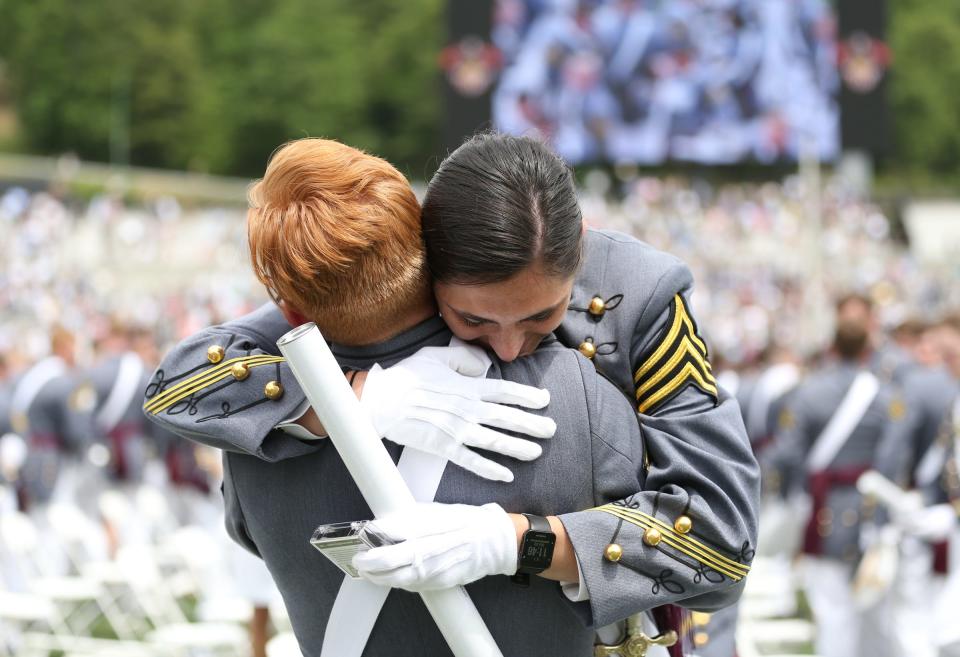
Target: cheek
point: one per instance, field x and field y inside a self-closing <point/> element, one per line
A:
<point x="532" y="340"/>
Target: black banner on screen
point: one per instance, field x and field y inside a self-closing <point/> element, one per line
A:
<point x="470" y="65"/>
<point x="864" y="59"/>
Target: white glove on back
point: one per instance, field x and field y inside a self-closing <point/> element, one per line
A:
<point x="437" y="400"/>
<point x="443" y="545"/>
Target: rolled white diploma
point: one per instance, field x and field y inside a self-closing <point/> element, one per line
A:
<point x="375" y="474"/>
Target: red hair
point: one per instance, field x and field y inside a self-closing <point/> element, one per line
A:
<point x="335" y="233"/>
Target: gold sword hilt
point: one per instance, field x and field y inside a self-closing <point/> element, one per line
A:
<point x="636" y="645"/>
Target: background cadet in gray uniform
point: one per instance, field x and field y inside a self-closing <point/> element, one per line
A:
<point x="124" y="433"/>
<point x="918" y="456"/>
<point x="929" y="390"/>
<point x="53" y="414"/>
<point x="832" y="537"/>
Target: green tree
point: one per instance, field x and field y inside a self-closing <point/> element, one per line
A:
<point x="107" y="79"/>
<point x="925" y="42"/>
<point x="218" y="85"/>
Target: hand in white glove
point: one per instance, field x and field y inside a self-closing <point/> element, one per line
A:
<point x="443" y="545"/>
<point x="934" y="523"/>
<point x="437" y="400"/>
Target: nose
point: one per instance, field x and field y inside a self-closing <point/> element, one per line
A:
<point x="507" y="346"/>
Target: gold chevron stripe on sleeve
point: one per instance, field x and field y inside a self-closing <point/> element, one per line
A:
<point x="689" y="546"/>
<point x="689" y="324"/>
<point x="677" y="382"/>
<point x="681" y="319"/>
<point x="665" y="344"/>
<point x="205" y="379"/>
<point x="684" y="350"/>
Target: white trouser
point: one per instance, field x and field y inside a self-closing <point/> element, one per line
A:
<point x="842" y="629"/>
<point x="911" y="601"/>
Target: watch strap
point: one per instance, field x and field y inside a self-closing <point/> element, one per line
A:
<point x="538" y="523"/>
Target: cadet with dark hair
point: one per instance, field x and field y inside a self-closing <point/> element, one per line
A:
<point x="506" y="191"/>
<point x="513" y="262"/>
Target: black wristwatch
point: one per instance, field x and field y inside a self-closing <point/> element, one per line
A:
<point x="536" y="548"/>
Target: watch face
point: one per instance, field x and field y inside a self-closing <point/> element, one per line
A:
<point x="537" y="549"/>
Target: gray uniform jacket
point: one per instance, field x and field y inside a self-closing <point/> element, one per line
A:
<point x="839" y="509"/>
<point x="928" y="395"/>
<point x="214" y="388"/>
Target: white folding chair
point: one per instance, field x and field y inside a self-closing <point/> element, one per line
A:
<point x="77" y="599"/>
<point x="283" y="645"/>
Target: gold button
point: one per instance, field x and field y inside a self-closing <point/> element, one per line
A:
<point x="273" y="390"/>
<point x="824" y="530"/>
<point x="240" y="371"/>
<point x="825" y="516"/>
<point x="652" y="537"/>
<point x="588" y="349"/>
<point x="215" y="354"/>
<point x="613" y="552"/>
<point x="683" y="525"/>
<point x="597" y="307"/>
<point x="701" y="639"/>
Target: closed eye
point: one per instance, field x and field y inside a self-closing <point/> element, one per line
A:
<point x="473" y="321"/>
<point x="539" y="317"/>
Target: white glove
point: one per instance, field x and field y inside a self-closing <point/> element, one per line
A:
<point x="443" y="545"/>
<point x="934" y="523"/>
<point x="437" y="400"/>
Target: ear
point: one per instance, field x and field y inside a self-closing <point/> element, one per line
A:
<point x="583" y="228"/>
<point x="293" y="316"/>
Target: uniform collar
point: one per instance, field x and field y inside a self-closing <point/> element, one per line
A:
<point x="432" y="332"/>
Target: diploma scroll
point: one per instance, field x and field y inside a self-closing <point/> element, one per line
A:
<point x="375" y="474"/>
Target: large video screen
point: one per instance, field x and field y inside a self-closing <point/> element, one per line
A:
<point x="653" y="81"/>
